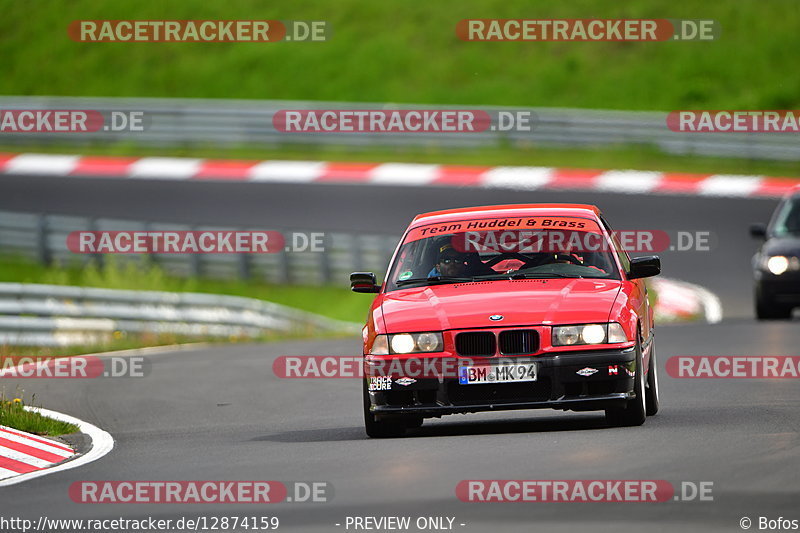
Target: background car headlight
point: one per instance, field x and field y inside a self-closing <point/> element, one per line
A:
<point x="402" y="343"/>
<point x="609" y="333"/>
<point x="777" y="264"/>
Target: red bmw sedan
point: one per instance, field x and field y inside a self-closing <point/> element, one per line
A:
<point x="508" y="307"/>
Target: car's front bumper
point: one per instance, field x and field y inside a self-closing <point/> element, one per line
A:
<point x="783" y="289"/>
<point x="579" y="381"/>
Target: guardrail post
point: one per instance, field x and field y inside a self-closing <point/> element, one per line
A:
<point x="283" y="268"/>
<point x="194" y="260"/>
<point x="42" y="250"/>
<point x="150" y="259"/>
<point x="325" y="262"/>
<point x="245" y="270"/>
<point x="91" y="225"/>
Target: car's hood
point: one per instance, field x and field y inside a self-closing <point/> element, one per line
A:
<point x="788" y="245"/>
<point x="521" y="302"/>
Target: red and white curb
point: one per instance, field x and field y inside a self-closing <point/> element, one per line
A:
<point x="680" y="300"/>
<point x="409" y="174"/>
<point x="102" y="441"/>
<point x="21" y="453"/>
<point x="24" y="456"/>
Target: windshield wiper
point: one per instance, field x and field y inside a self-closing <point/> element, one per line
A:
<point x="528" y="275"/>
<point x="434" y="279"/>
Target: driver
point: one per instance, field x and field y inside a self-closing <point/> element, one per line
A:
<point x="451" y="263"/>
<point x="454" y="263"/>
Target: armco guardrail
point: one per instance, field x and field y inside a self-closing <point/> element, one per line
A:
<point x="200" y="122"/>
<point x="43" y="237"/>
<point x="54" y="315"/>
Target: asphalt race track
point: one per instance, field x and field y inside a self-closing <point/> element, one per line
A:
<point x="219" y="413"/>
<point x="725" y="269"/>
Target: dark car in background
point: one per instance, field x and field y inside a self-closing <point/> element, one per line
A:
<point x="776" y="265"/>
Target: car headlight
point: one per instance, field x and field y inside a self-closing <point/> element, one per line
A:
<point x="616" y="333"/>
<point x="777" y="264"/>
<point x="402" y="343"/>
<point x="380" y="346"/>
<point x="429" y="342"/>
<point x="566" y="335"/>
<point x="610" y="333"/>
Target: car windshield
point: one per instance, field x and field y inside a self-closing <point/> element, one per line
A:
<point x="787" y="222"/>
<point x="501" y="249"/>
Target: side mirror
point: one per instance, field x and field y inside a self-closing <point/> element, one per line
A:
<point x="644" y="267"/>
<point x="363" y="282"/>
<point x="759" y="231"/>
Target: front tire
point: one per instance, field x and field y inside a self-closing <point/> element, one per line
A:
<point x="635" y="412"/>
<point x="651" y="394"/>
<point x="380" y="429"/>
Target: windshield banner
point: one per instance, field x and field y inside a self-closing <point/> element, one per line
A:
<point x="490" y="224"/>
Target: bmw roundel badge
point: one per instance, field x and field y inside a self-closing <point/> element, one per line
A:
<point x="496" y="317"/>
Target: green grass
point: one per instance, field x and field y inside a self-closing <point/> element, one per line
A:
<point x="400" y="51"/>
<point x="333" y="302"/>
<point x="14" y="415"/>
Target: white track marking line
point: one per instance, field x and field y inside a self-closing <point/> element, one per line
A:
<point x="403" y="174"/>
<point x="287" y="171"/>
<point x="42" y="164"/>
<point x="176" y="168"/>
<point x="517" y="177"/>
<point x="628" y="181"/>
<point x="729" y="185"/>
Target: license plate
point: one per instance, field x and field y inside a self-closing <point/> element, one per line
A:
<point x="512" y="373"/>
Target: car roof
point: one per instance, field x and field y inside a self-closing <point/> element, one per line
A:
<point x="510" y="210"/>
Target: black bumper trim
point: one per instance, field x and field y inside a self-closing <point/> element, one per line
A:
<point x="591" y="403"/>
<point x="560" y="386"/>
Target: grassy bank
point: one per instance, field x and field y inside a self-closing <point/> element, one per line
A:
<point x="13" y="414"/>
<point x="397" y="51"/>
